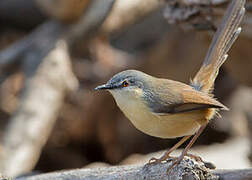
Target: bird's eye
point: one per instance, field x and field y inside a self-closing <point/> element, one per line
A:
<point x="125" y="83"/>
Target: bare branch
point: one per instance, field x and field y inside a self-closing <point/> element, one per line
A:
<point x="202" y="2"/>
<point x="45" y="59"/>
<point x="126" y="13"/>
<point x="31" y="125"/>
<point x="46" y="34"/>
<point x="187" y="170"/>
<point x="240" y="174"/>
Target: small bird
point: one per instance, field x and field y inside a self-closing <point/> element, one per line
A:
<point x="168" y="109"/>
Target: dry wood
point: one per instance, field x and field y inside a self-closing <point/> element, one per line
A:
<point x="45" y="59"/>
<point x="31" y="125"/>
<point x="188" y="169"/>
<point x="126" y="13"/>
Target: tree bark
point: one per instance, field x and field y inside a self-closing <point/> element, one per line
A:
<point x="188" y="169"/>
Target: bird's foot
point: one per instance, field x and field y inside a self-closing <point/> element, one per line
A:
<point x="175" y="161"/>
<point x="159" y="160"/>
<point x="195" y="157"/>
<point x="154" y="161"/>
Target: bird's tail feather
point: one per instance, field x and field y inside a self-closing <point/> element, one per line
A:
<point x="223" y="39"/>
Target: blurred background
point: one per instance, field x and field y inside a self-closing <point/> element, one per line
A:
<point x="54" y="52"/>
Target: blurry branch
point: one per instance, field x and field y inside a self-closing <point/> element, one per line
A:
<point x="202" y="2"/>
<point x="187" y="170"/>
<point x="198" y="14"/>
<point x="46" y="34"/>
<point x="247" y="30"/>
<point x="195" y="13"/>
<point x="32" y="123"/>
<point x="45" y="59"/>
<point x="239" y="174"/>
<point x="125" y="13"/>
<point x="64" y="10"/>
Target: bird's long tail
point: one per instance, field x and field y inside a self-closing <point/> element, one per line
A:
<point x="226" y="34"/>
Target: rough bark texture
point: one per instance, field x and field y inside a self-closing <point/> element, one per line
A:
<point x="186" y="170"/>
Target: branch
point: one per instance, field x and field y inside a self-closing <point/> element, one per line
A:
<point x="45" y="59"/>
<point x="239" y="174"/>
<point x="202" y="2"/>
<point x="46" y="34"/>
<point x="30" y="127"/>
<point x="126" y="13"/>
<point x="188" y="169"/>
<point x="196" y="13"/>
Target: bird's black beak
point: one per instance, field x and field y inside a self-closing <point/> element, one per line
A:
<point x="104" y="87"/>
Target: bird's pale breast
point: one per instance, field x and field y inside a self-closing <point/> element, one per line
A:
<point x="163" y="126"/>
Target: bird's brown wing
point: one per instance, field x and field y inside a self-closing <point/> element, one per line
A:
<point x="180" y="98"/>
<point x="193" y="96"/>
<point x="223" y="39"/>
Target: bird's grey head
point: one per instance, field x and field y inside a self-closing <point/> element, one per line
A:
<point x="129" y="83"/>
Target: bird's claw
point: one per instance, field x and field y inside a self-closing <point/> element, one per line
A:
<point x="175" y="161"/>
<point x="154" y="161"/>
<point x="159" y="160"/>
<point x="196" y="158"/>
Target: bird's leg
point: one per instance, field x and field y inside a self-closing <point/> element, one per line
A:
<point x="167" y="153"/>
<point x="180" y="158"/>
